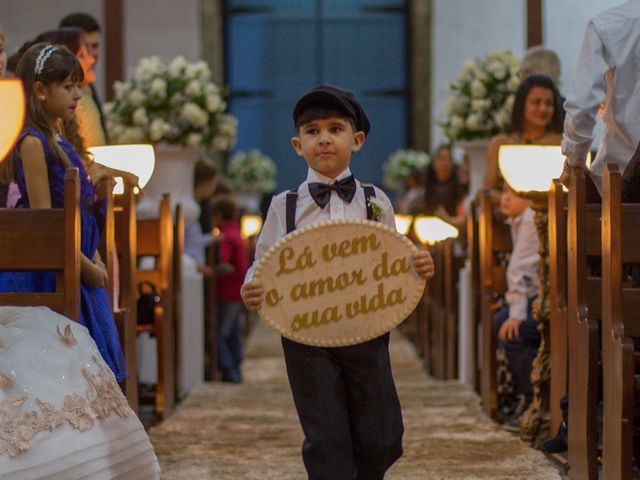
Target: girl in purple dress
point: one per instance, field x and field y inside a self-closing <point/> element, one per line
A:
<point x="51" y="75"/>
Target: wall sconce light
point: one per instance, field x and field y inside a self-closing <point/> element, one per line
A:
<point x="530" y="168"/>
<point x="137" y="159"/>
<point x="431" y="230"/>
<point x="250" y="225"/>
<point x="403" y="223"/>
<point x="12" y="113"/>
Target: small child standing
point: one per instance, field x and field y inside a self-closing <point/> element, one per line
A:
<point x="345" y="396"/>
<point x="232" y="251"/>
<point x="51" y="75"/>
<point x="516" y="327"/>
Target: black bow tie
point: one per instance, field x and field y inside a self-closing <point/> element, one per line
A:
<point x="321" y="192"/>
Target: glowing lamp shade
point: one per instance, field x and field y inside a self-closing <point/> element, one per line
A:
<point x="137" y="159"/>
<point x="403" y="223"/>
<point x="432" y="230"/>
<point x="250" y="225"/>
<point x="12" y="111"/>
<point x="530" y="168"/>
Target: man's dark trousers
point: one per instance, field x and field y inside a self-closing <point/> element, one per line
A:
<point x="348" y="407"/>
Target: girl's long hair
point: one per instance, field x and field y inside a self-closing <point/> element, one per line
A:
<point x="59" y="66"/>
<point x="70" y="37"/>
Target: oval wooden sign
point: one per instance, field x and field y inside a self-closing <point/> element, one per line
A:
<point x="339" y="282"/>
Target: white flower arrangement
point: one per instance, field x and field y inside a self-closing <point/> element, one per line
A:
<point x="252" y="172"/>
<point x="378" y="208"/>
<point x="175" y="103"/>
<point x="481" y="99"/>
<point x="400" y="165"/>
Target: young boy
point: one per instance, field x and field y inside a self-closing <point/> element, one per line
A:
<point x="345" y="397"/>
<point x="516" y="327"/>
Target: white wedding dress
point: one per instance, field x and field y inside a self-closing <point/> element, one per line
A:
<point x="62" y="413"/>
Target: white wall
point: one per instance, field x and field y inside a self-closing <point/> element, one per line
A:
<point x="471" y="28"/>
<point x="564" y="24"/>
<point x="468" y="29"/>
<point x="23" y="20"/>
<point x="162" y="27"/>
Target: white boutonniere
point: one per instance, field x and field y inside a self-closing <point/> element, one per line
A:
<point x="378" y="208"/>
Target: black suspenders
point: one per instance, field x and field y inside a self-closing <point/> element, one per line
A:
<point x="292" y="201"/>
<point x="369" y="192"/>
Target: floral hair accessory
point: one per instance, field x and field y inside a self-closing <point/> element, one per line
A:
<point x="43" y="56"/>
<point x="378" y="208"/>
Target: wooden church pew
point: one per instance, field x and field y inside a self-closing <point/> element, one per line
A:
<point x="558" y="334"/>
<point x="126" y="239"/>
<point x="155" y="239"/>
<point x="211" y="316"/>
<point x="436" y="334"/>
<point x="473" y="255"/>
<point x="45" y="240"/>
<point x="443" y="318"/>
<point x="620" y="325"/>
<point x="124" y="318"/>
<point x="494" y="240"/>
<point x="176" y="259"/>
<point x="584" y="292"/>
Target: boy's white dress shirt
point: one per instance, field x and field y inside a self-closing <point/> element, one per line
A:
<point x="523" y="274"/>
<point x="308" y="212"/>
<point x="608" y="69"/>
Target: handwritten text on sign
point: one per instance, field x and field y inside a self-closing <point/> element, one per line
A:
<point x="339" y="283"/>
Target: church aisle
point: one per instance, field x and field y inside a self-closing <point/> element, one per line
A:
<point x="251" y="431"/>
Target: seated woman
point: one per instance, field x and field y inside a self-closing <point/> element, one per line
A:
<point x="414" y="192"/>
<point x="62" y="414"/>
<point x="536" y="119"/>
<point x="443" y="193"/>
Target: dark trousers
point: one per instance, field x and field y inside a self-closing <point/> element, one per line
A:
<point x="348" y="408"/>
<point x="521" y="351"/>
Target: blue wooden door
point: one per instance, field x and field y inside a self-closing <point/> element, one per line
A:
<point x="278" y="49"/>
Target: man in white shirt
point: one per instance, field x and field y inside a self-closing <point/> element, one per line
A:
<point x="516" y="327"/>
<point x="608" y="71"/>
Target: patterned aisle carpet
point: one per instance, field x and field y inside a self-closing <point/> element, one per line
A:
<point x="251" y="431"/>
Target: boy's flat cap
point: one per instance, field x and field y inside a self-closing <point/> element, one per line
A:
<point x="342" y="99"/>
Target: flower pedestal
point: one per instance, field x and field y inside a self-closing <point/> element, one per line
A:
<point x="477" y="152"/>
<point x="173" y="174"/>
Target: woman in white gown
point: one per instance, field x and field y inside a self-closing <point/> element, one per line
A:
<point x="62" y="414"/>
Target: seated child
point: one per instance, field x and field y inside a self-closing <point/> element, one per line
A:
<point x="516" y="327"/>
